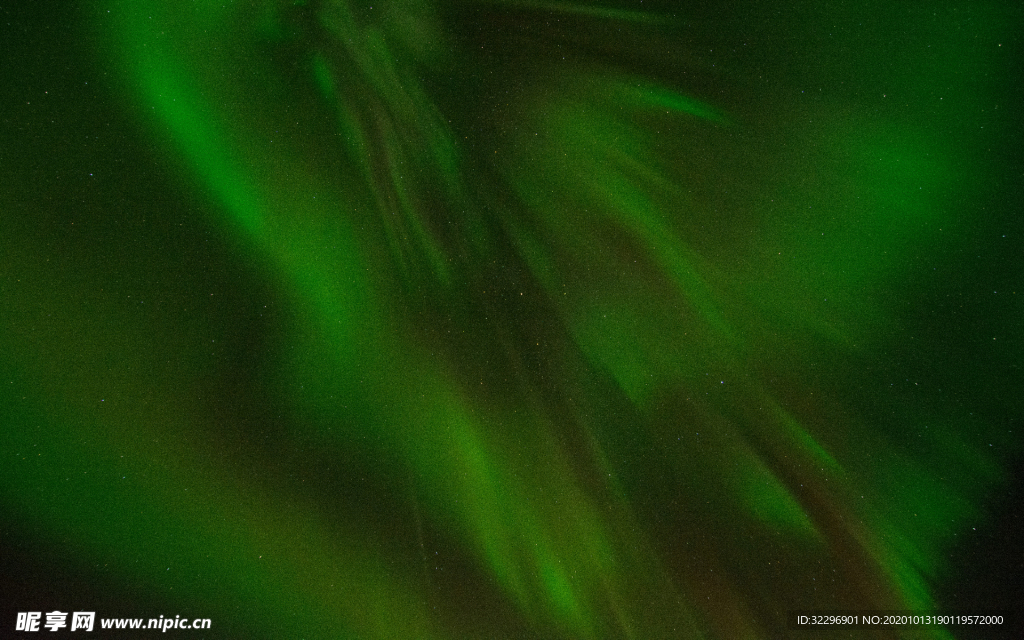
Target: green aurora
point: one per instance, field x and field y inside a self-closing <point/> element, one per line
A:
<point x="518" y="319"/>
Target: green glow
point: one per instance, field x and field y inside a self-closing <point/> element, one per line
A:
<point x="524" y="332"/>
<point x="589" y="11"/>
<point x="662" y="98"/>
<point x="769" y="501"/>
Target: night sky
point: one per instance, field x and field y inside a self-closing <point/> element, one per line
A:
<point x="510" y="319"/>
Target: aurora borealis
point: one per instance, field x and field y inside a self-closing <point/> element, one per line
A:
<point x="510" y="319"/>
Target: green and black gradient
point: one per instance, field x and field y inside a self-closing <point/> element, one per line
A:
<point x="509" y="319"/>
